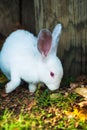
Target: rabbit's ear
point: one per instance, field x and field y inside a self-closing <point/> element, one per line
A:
<point x="55" y="38"/>
<point x="44" y="42"/>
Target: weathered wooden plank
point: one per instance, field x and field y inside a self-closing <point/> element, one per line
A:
<point x="73" y="43"/>
<point x="9" y="15"/>
<point x="28" y="15"/>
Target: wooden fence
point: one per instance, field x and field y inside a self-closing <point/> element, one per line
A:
<point x="37" y="14"/>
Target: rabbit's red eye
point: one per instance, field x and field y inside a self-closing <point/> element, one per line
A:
<point x="52" y="74"/>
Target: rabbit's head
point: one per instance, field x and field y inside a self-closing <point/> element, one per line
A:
<point x="52" y="71"/>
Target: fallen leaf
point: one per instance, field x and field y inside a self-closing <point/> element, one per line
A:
<point x="73" y="85"/>
<point x="82" y="79"/>
<point x="4" y="94"/>
<point x="31" y="104"/>
<point x="54" y="96"/>
<point x="82" y="91"/>
<point x="83" y="104"/>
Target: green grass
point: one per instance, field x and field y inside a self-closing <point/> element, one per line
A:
<point x="46" y="112"/>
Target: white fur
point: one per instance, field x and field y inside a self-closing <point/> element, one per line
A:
<point x="20" y="59"/>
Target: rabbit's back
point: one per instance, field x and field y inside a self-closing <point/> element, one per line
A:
<point x="19" y="42"/>
<point x="19" y="48"/>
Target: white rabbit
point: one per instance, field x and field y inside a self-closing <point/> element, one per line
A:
<point x="33" y="59"/>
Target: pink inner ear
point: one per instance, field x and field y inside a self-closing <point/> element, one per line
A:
<point x="44" y="42"/>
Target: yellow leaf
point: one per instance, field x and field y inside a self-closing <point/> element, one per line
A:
<point x="82" y="91"/>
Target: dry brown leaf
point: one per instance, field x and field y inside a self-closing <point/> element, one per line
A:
<point x="4" y="94"/>
<point x="29" y="107"/>
<point x="75" y="85"/>
<point x="82" y="79"/>
<point x="83" y="104"/>
<point x="82" y="91"/>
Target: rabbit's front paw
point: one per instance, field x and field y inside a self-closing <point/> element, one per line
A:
<point x="32" y="88"/>
<point x="8" y="88"/>
<point x="12" y="85"/>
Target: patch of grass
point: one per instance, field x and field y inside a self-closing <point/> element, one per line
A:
<point x="46" y="99"/>
<point x="43" y="98"/>
<point x="52" y="118"/>
<point x="47" y="111"/>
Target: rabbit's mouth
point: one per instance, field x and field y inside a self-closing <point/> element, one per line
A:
<point x="53" y="87"/>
